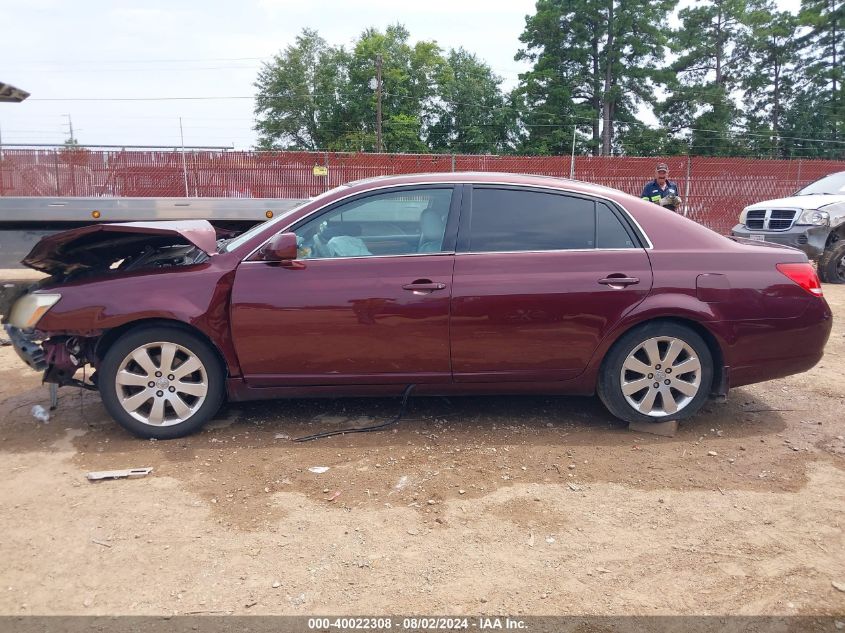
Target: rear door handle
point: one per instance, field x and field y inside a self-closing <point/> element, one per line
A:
<point x="424" y="285"/>
<point x="619" y="281"/>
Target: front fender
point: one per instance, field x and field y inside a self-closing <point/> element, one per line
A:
<point x="198" y="298"/>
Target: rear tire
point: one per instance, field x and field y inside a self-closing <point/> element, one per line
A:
<point x="658" y="371"/>
<point x="831" y="265"/>
<point x="161" y="382"/>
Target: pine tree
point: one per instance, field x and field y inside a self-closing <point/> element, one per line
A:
<point x="708" y="70"/>
<point x="595" y="63"/>
<point x="769" y="76"/>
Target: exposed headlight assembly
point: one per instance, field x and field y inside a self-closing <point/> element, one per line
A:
<point x="29" y="309"/>
<point x="814" y="217"/>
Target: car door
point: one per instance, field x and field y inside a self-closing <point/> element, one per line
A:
<point x="540" y="277"/>
<point x="368" y="301"/>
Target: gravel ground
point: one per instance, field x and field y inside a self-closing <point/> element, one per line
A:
<point x="469" y="506"/>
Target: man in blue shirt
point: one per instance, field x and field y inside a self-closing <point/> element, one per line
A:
<point x="661" y="190"/>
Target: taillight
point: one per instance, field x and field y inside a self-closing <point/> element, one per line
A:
<point x="804" y="275"/>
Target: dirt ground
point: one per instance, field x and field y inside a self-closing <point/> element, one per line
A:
<point x="469" y="506"/>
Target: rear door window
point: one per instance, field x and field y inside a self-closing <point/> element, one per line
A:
<point x="610" y="233"/>
<point x="522" y="220"/>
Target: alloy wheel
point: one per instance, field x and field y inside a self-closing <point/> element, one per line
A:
<point x="161" y="383"/>
<point x="661" y="376"/>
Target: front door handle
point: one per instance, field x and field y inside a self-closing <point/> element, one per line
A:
<point x="619" y="281"/>
<point x="423" y="286"/>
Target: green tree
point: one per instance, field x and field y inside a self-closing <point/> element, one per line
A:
<point x="595" y="62"/>
<point x="823" y="52"/>
<point x="806" y="127"/>
<point x="470" y="114"/>
<point x="769" y="76"/>
<point x="409" y="86"/>
<point x="824" y="43"/>
<point x="299" y="103"/>
<point x="706" y="73"/>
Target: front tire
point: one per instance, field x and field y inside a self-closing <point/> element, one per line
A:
<point x="161" y="382"/>
<point x="832" y="263"/>
<point x="656" y="372"/>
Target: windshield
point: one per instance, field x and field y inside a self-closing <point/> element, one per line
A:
<point x="835" y="183"/>
<point x="230" y="245"/>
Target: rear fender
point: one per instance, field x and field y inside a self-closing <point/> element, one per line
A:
<point x="677" y="307"/>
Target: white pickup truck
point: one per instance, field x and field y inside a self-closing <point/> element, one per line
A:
<point x="813" y="220"/>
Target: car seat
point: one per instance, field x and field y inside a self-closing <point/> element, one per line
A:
<point x="432" y="228"/>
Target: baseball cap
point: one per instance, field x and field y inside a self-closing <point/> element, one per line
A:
<point x="662" y="167"/>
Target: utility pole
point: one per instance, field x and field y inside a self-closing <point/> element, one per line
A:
<point x="70" y="127"/>
<point x="378" y="103"/>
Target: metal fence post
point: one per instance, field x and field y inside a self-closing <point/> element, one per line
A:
<point x="688" y="187"/>
<point x="196" y="174"/>
<point x="56" y="171"/>
<point x="328" y="173"/>
<point x="453" y="162"/>
<point x="72" y="174"/>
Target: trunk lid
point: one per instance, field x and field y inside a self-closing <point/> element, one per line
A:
<point x="100" y="245"/>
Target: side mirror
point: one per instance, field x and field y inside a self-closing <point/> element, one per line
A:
<point x="282" y="249"/>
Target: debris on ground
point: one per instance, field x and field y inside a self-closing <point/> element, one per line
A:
<point x="40" y="413"/>
<point x="334" y="496"/>
<point x="839" y="586"/>
<point x="128" y="473"/>
<point x="318" y="469"/>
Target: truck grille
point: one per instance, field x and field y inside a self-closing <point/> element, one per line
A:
<point x="770" y="219"/>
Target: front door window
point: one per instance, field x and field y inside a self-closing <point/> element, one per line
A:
<point x="402" y="222"/>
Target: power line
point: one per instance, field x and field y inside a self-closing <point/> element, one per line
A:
<point x="504" y="107"/>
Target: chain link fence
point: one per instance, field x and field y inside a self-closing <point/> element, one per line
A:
<point x="714" y="189"/>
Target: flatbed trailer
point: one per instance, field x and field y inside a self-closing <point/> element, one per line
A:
<point x="25" y="220"/>
<point x="59" y="212"/>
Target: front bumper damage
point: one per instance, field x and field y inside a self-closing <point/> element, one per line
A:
<point x="27" y="348"/>
<point x="810" y="239"/>
<point x="59" y="357"/>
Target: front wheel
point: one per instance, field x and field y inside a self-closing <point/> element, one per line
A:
<point x="832" y="263"/>
<point x="161" y="382"/>
<point x="656" y="372"/>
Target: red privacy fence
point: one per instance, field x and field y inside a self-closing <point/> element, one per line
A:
<point x="715" y="189"/>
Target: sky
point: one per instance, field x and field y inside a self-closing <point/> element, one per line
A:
<point x="125" y="72"/>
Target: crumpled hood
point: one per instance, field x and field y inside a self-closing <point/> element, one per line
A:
<point x="98" y="245"/>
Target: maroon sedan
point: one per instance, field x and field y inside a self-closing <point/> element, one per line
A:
<point x="455" y="283"/>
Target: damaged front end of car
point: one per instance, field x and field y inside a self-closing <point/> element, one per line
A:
<point x="93" y="252"/>
<point x="58" y="357"/>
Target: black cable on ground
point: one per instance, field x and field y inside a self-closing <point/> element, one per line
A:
<point x="363" y="429"/>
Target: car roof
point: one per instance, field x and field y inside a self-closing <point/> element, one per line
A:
<point x="481" y="177"/>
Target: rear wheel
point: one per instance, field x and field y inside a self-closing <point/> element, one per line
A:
<point x="832" y="263"/>
<point x="161" y="382"/>
<point x="659" y="371"/>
